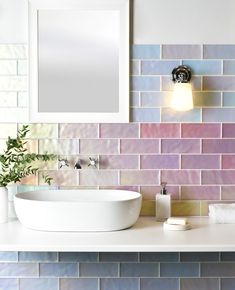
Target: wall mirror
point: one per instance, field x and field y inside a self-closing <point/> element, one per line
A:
<point x="79" y="60"/>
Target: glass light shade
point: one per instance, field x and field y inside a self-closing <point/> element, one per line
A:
<point x="182" y="98"/>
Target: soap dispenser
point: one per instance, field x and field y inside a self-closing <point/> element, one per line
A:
<point x="163" y="204"/>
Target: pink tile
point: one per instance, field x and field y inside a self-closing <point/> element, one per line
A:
<point x="139" y="177"/>
<point x="180" y="176"/>
<point x="200" y="130"/>
<point x="180" y="146"/>
<point x="228" y="130"/>
<point x="122" y="187"/>
<point x="78" y="130"/>
<point x="140" y="146"/>
<point x="128" y="130"/>
<point x="99" y="146"/>
<point x="228" y="192"/>
<point x="218" y="177"/>
<point x="200" y="161"/>
<point x="159" y="161"/>
<point x="150" y="130"/>
<point x="228" y="162"/>
<point x="119" y="161"/>
<point x="98" y="177"/>
<point x="200" y="192"/>
<point x="61" y="177"/>
<point x="149" y="192"/>
<point x="218" y="146"/>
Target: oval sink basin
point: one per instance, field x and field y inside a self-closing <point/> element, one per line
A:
<point x="78" y="210"/>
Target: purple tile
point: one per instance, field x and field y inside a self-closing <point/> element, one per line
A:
<point x="229" y="67"/>
<point x="18" y="270"/>
<point x="181" y="176"/>
<point x="227" y="284"/>
<point x="204" y="67"/>
<point x="118" y="257"/>
<point x="145" y="83"/>
<point x="159" y="284"/>
<point x="219" y="51"/>
<point x="145" y="115"/>
<point x="218" y="177"/>
<point x="159" y="257"/>
<point x="199" y="256"/>
<point x="200" y="283"/>
<point x="119" y="284"/>
<point x="200" y="192"/>
<point x="228" y="162"/>
<point x="58" y="269"/>
<point x="98" y="269"/>
<point x="78" y="257"/>
<point x="159" y="130"/>
<point x="9" y="284"/>
<point x="179" y="270"/>
<point x="149" y="192"/>
<point x="180" y="146"/>
<point x="78" y="131"/>
<point x="170" y="115"/>
<point x="168" y="85"/>
<point x="181" y="51"/>
<point x="218" y="146"/>
<point x="119" y="130"/>
<point x="78" y="283"/>
<point x="139" y="269"/>
<point x="119" y="162"/>
<point x="217" y="269"/>
<point x="201" y="130"/>
<point x="158" y="67"/>
<point x="39" y="284"/>
<point x="98" y="177"/>
<point x="136" y="177"/>
<point x="200" y="161"/>
<point x="37" y="257"/>
<point x="228" y="130"/>
<point x="220" y="83"/>
<point x="99" y="146"/>
<point x="228" y="192"/>
<point x="218" y="115"/>
<point x="159" y="162"/>
<point x="139" y="146"/>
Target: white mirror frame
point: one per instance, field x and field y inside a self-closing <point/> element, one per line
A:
<point x="58" y="117"/>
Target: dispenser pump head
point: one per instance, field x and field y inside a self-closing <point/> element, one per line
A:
<point x="163" y="189"/>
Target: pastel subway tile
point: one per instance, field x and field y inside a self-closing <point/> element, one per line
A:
<point x="219" y="83"/>
<point x="99" y="146"/>
<point x="159" y="130"/>
<point x="139" y="146"/>
<point x="229" y="67"/>
<point x="158" y="67"/>
<point x="145" y="114"/>
<point x="59" y="146"/>
<point x="218" y="115"/>
<point x="8" y="99"/>
<point x="199" y="256"/>
<point x="18" y="269"/>
<point x="204" y="67"/>
<point x="98" y="269"/>
<point x="23" y="99"/>
<point x="118" y="257"/>
<point x="179" y="270"/>
<point x="168" y="85"/>
<point x="9" y="284"/>
<point x="229" y="99"/>
<point x="13" y="51"/>
<point x="78" y="257"/>
<point x="49" y="131"/>
<point x="228" y="162"/>
<point x="141" y="51"/>
<point x="227" y="283"/>
<point x="58" y="269"/>
<point x="181" y="176"/>
<point x="200" y="283"/>
<point x="8" y="67"/>
<point x="185" y="208"/>
<point x="39" y="284"/>
<point x="159" y="162"/>
<point x="119" y="283"/>
<point x="139" y="269"/>
<point x="135" y="67"/>
<point x="218" y="177"/>
<point x="13" y="115"/>
<point x="148" y="208"/>
<point x="159" y="257"/>
<point x="207" y="99"/>
<point x="155" y="99"/>
<point x="180" y="146"/>
<point x="8" y="256"/>
<point x="121" y="187"/>
<point x="169" y="115"/>
<point x="62" y="177"/>
<point x="227" y="256"/>
<point x="119" y="162"/>
<point x="78" y="283"/>
<point x="219" y="51"/>
<point x="119" y="130"/>
<point x="200" y="161"/>
<point x="200" y="192"/>
<point x="98" y="177"/>
<point x="13" y="83"/>
<point x="217" y="269"/>
<point x="159" y="284"/>
<point x="134" y="177"/>
<point x="149" y="192"/>
<point x="38" y="256"/>
<point x="200" y="130"/>
<point x="78" y="131"/>
<point x="134" y="99"/>
<point x="143" y="83"/>
<point x="228" y="130"/>
<point x="181" y="51"/>
<point x="218" y="146"/>
<point x="22" y="68"/>
<point x="228" y="192"/>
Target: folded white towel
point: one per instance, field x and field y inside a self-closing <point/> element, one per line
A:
<point x="222" y="213"/>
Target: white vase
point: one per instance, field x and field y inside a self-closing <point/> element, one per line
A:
<point x="3" y="204"/>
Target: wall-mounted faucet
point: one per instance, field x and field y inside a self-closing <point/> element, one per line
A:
<point x="78" y="165"/>
<point x="63" y="162"/>
<point x="93" y="162"/>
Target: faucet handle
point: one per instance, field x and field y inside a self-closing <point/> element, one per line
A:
<point x="93" y="162"/>
<point x="63" y="162"/>
<point x="78" y="165"/>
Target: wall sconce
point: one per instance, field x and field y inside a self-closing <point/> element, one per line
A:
<point x="182" y="98"/>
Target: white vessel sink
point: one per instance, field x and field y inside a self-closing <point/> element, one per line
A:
<point x="78" y="210"/>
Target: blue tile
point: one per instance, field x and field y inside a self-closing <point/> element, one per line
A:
<point x="170" y="115"/>
<point x="37" y="256"/>
<point x="145" y="114"/>
<point x="181" y="51"/>
<point x="218" y="269"/>
<point x="199" y="256"/>
<point x="78" y="257"/>
<point x="8" y="256"/>
<point x="179" y="269"/>
<point x="207" y="99"/>
<point x="119" y="284"/>
<point x="199" y="284"/>
<point x="227" y="256"/>
<point x="159" y="284"/>
<point x="229" y="67"/>
<point x="39" y="284"/>
<point x="155" y="99"/>
<point x="118" y="257"/>
<point x="229" y="99"/>
<point x="204" y="67"/>
<point x="98" y="269"/>
<point x="219" y="51"/>
<point x="218" y="115"/>
<point x="134" y="99"/>
<point x="78" y="284"/>
<point x="8" y="284"/>
<point x="139" y="269"/>
<point x="161" y="67"/>
<point x="18" y="269"/>
<point x="145" y="83"/>
<point x="159" y="257"/>
<point x="227" y="284"/>
<point x="135" y="67"/>
<point x="59" y="270"/>
<point x="219" y="83"/>
<point x="146" y="51"/>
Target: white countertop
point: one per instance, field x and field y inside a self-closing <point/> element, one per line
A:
<point x="145" y="236"/>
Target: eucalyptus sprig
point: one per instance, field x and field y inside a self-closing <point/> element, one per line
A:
<point x="16" y="163"/>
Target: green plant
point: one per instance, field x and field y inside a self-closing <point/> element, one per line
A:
<point x="16" y="163"/>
